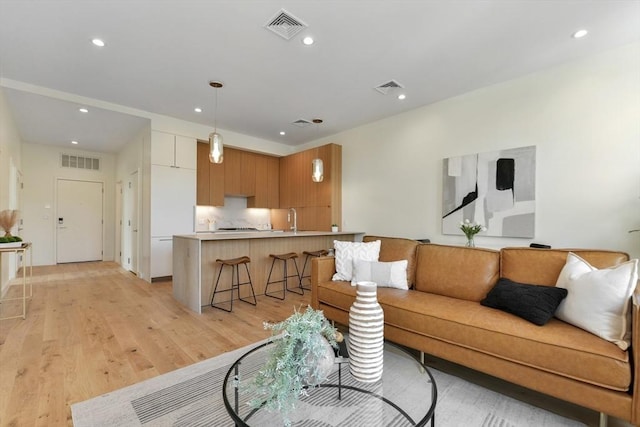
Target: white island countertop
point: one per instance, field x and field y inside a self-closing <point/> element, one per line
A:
<point x="267" y="234"/>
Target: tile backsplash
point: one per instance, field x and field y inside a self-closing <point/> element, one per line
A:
<point x="234" y="213"/>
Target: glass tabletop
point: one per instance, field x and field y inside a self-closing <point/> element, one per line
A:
<point x="405" y="396"/>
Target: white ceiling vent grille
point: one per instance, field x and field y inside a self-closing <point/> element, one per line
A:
<point x="79" y="162"/>
<point x="301" y="123"/>
<point x="384" y="88"/>
<point x="285" y="24"/>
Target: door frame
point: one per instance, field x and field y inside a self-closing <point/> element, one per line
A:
<point x="55" y="228"/>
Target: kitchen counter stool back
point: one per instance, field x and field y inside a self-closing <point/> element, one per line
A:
<point x="285" y="275"/>
<point x="235" y="282"/>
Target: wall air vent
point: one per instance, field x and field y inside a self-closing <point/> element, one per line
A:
<point x="301" y="123"/>
<point x="384" y="88"/>
<point x="285" y="24"/>
<point x="79" y="162"/>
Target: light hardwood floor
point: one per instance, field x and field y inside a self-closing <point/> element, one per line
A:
<point x="93" y="327"/>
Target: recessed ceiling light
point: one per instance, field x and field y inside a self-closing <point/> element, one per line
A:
<point x="579" y="34"/>
<point x="402" y="96"/>
<point x="198" y="110"/>
<point x="98" y="42"/>
<point x="83" y="110"/>
<point x="307" y="41"/>
<point x="74" y="142"/>
<point x="283" y="133"/>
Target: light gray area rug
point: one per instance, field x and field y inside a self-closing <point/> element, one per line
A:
<point x="192" y="396"/>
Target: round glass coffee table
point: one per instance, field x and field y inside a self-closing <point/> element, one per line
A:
<point x="405" y="396"/>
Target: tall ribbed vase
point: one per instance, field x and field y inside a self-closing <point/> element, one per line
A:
<point x="366" y="334"/>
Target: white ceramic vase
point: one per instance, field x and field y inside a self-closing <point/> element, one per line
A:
<point x="366" y="334"/>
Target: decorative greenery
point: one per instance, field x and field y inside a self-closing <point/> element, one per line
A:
<point x="10" y="239"/>
<point x="293" y="364"/>
<point x="470" y="229"/>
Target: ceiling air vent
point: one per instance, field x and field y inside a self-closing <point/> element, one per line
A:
<point x="285" y="24"/>
<point x="301" y="123"/>
<point x="384" y="88"/>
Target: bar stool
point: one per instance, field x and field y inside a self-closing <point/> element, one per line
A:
<point x="310" y="254"/>
<point x="234" y="263"/>
<point x="285" y="275"/>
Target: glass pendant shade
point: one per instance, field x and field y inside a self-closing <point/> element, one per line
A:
<point x="216" y="149"/>
<point x="317" y="170"/>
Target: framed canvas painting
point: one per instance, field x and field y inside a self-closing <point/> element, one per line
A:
<point x="496" y="189"/>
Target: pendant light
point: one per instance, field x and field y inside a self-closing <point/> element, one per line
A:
<point x="216" y="149"/>
<point x="317" y="170"/>
<point x="317" y="166"/>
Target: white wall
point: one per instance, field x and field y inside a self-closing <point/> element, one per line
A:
<point x="584" y="118"/>
<point x="41" y="167"/>
<point x="9" y="154"/>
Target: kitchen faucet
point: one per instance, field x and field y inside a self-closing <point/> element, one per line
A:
<point x="294" y="227"/>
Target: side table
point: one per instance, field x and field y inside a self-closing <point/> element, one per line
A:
<point x="23" y="249"/>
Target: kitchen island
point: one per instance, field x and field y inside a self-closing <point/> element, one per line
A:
<point x="194" y="256"/>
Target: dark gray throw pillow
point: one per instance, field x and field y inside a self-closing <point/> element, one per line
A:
<point x="534" y="303"/>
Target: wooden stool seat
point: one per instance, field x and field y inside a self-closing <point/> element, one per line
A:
<point x="283" y="257"/>
<point x="234" y="261"/>
<point x="235" y="284"/>
<point x="322" y="252"/>
<point x="310" y="254"/>
<point x="285" y="275"/>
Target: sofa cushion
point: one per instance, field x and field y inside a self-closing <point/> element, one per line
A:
<point x="384" y="274"/>
<point x="543" y="266"/>
<point x="346" y="252"/>
<point x="534" y="303"/>
<point x="599" y="300"/>
<point x="396" y="249"/>
<point x="558" y="347"/>
<point x="456" y="271"/>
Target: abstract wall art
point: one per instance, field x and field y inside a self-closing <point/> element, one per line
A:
<point x="496" y="189"/>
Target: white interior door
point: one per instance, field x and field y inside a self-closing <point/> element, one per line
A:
<point x="117" y="256"/>
<point x="79" y="221"/>
<point x="134" y="222"/>
<point x="130" y="224"/>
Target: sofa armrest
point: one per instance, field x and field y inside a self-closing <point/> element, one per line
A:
<point x="635" y="355"/>
<point x="322" y="270"/>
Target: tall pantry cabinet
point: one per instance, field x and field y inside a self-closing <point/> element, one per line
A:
<point x="173" y="196"/>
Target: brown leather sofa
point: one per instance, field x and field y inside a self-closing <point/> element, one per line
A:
<point x="441" y="315"/>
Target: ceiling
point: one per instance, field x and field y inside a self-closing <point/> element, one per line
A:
<point x="160" y="56"/>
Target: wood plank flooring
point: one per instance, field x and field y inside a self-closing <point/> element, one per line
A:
<point x="93" y="327"/>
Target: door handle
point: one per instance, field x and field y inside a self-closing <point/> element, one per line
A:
<point x="62" y="226"/>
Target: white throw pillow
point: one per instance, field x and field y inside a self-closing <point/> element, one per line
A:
<point x="598" y="300"/>
<point x="384" y="274"/>
<point x="346" y="252"/>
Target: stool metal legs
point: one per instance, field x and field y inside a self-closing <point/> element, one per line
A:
<point x="235" y="284"/>
<point x="285" y="279"/>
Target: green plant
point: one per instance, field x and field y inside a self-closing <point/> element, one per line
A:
<point x="470" y="229"/>
<point x="293" y="365"/>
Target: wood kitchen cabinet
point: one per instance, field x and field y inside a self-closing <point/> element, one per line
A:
<point x="210" y="179"/>
<point x="239" y="172"/>
<point x="319" y="204"/>
<point x="267" y="179"/>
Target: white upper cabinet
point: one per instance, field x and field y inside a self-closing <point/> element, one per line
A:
<point x="173" y="150"/>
